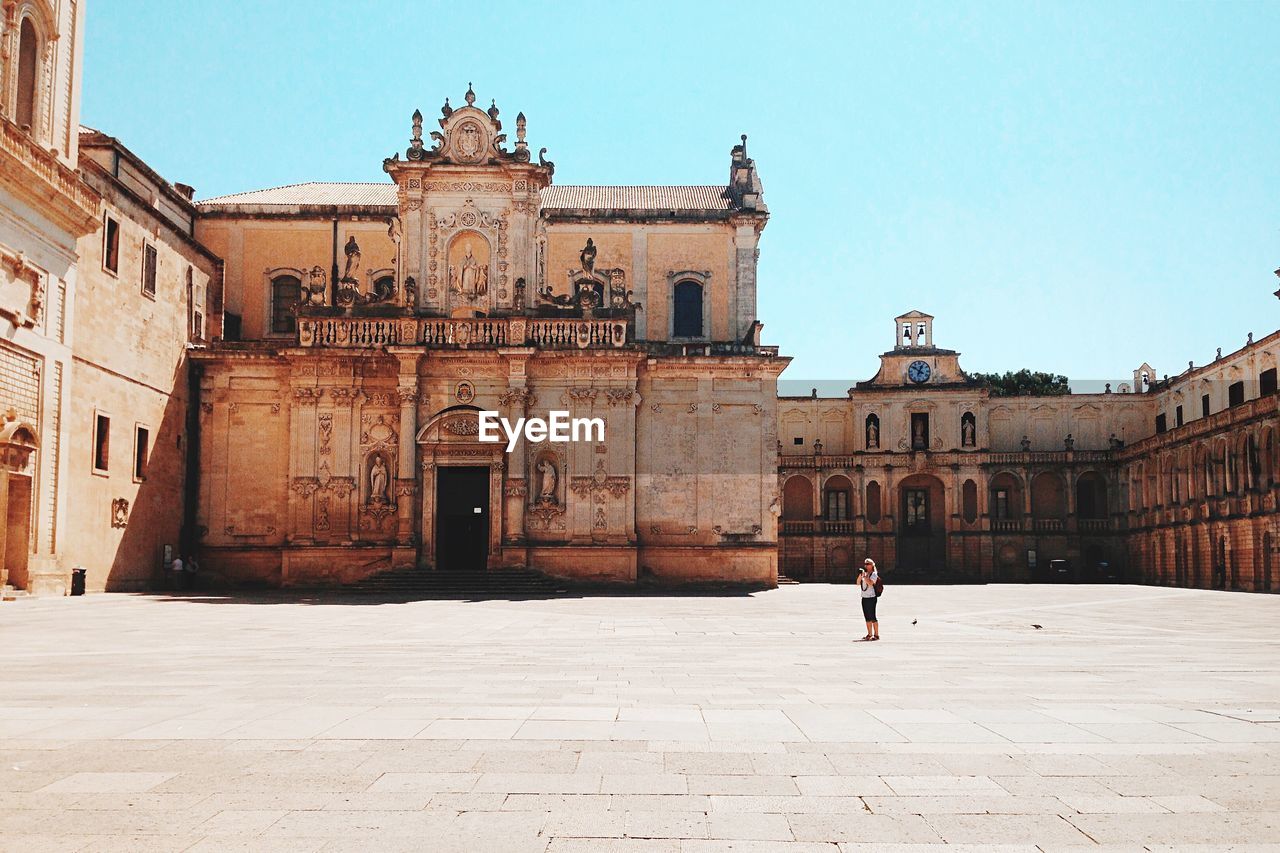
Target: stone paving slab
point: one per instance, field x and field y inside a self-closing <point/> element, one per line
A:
<point x="1133" y="719"/>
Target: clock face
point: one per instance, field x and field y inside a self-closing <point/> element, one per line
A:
<point x="918" y="372"/>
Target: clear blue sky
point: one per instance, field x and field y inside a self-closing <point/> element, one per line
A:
<point x="1075" y="187"/>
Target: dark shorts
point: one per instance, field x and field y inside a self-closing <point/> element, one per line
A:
<point x="869" y="609"/>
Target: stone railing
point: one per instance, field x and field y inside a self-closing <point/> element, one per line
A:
<point x="1006" y="525"/>
<point x="482" y="332"/>
<point x="50" y="180"/>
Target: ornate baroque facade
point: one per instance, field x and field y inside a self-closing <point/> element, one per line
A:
<point x="338" y="436"/>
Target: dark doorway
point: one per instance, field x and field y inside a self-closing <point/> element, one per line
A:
<point x="462" y="519"/>
<point x="17" y="542"/>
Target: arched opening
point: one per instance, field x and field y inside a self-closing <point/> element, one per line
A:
<point x="873" y="432"/>
<point x="1091" y="496"/>
<point x="873" y="503"/>
<point x="1268" y="458"/>
<point x="687" y="310"/>
<point x="1005" y="500"/>
<point x="286" y="292"/>
<point x="969" y="501"/>
<point x="17" y="449"/>
<point x="1048" y="501"/>
<point x="797" y="499"/>
<point x="384" y="287"/>
<point x="28" y="68"/>
<point x="837" y="496"/>
<point x="922" y="533"/>
<point x="968" y="430"/>
<point x="1267" y="580"/>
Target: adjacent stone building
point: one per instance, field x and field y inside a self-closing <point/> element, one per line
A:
<point x="44" y="209"/>
<point x="147" y="292"/>
<point x="1169" y="480"/>
<point x="339" y="429"/>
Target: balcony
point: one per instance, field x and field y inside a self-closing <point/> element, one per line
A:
<point x="1006" y="525"/>
<point x="1093" y="525"/>
<point x="467" y="333"/>
<point x="1048" y="525"/>
<point x="39" y="178"/>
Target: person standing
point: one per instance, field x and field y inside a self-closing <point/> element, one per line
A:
<point x="177" y="576"/>
<point x="868" y="579"/>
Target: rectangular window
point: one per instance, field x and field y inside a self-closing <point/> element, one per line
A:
<point x="149" y="269"/>
<point x="141" y="449"/>
<point x="1267" y="382"/>
<point x="230" y="327"/>
<point x="1204" y="406"/>
<point x="101" y="443"/>
<point x="837" y="506"/>
<point x="1177" y="416"/>
<point x="917" y="520"/>
<point x="111" y="245"/>
<point x="1162" y="422"/>
<point x="197" y="327"/>
<point x="798" y="441"/>
<point x="1002" y="503"/>
<point x="1235" y="394"/>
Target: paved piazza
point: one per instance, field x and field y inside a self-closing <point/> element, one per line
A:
<point x="1134" y="718"/>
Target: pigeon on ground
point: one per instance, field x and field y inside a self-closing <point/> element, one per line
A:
<point x="1037" y="627"/>
<point x="913" y="621"/>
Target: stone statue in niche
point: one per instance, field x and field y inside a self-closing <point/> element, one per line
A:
<point x="378" y="481"/>
<point x="966" y="431"/>
<point x="469" y="266"/>
<point x="517" y="299"/>
<point x="547" y="479"/>
<point x="588" y="257"/>
<point x="410" y="292"/>
<point x="873" y="433"/>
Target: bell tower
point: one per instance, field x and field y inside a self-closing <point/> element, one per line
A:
<point x="913" y="330"/>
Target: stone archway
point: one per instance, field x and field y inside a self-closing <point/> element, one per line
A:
<point x="18" y="444"/>
<point x="922" y="527"/>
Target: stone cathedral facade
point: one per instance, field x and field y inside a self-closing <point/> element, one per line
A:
<point x="339" y="437"/>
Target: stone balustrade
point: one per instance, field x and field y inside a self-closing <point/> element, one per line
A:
<point x="464" y="333"/>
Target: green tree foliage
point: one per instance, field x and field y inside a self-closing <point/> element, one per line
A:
<point x="1024" y="382"/>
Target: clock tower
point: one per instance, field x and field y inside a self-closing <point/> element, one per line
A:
<point x="914" y="361"/>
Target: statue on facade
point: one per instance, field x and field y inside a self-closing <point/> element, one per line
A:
<point x="1069" y="443"/>
<point x="547" y="482"/>
<point x="378" y="481"/>
<point x="966" y="433"/>
<point x="352" y="251"/>
<point x="316" y="286"/>
<point x="469" y="277"/>
<point x="588" y="257"/>
<point x="410" y="292"/>
<point x="873" y="434"/>
<point x="1026" y="444"/>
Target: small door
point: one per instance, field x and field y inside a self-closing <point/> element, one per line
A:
<point x="462" y="518"/>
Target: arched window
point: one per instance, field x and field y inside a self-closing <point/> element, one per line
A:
<point x="28" y="64"/>
<point x="836" y="495"/>
<point x="687" y="316"/>
<point x="286" y="291"/>
<point x="797" y="499"/>
<point x="969" y="501"/>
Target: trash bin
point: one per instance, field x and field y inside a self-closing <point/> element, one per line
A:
<point x="77" y="580"/>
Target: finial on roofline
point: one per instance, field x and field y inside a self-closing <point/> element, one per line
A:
<point x="470" y="96"/>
